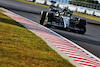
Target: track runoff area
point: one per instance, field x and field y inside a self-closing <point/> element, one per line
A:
<point x="76" y="55"/>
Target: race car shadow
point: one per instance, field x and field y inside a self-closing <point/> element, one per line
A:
<point x="67" y="30"/>
<point x="71" y="31"/>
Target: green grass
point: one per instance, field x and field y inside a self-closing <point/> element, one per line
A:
<point x="1" y="10"/>
<point x="76" y="13"/>
<point x="21" y="48"/>
<point x="87" y="16"/>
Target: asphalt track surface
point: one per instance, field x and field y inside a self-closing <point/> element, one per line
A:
<point x="89" y="41"/>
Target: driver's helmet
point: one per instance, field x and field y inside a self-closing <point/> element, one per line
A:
<point x="65" y="9"/>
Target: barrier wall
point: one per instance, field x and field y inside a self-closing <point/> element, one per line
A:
<point x="81" y="9"/>
<point x="62" y="6"/>
<point x="71" y="7"/>
<point x="97" y="13"/>
<point x="90" y="11"/>
<point x="40" y="1"/>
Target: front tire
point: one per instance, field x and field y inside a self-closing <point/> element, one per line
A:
<point x="42" y="17"/>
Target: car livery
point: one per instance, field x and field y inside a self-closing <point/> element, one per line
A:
<point x="58" y="18"/>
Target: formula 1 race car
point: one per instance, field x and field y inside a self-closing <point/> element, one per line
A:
<point x="62" y="19"/>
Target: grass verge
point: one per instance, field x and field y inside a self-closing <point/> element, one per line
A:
<point x="76" y="13"/>
<point x="21" y="48"/>
<point x="1" y="10"/>
<point x="87" y="16"/>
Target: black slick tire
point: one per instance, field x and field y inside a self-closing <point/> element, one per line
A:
<point x="42" y="17"/>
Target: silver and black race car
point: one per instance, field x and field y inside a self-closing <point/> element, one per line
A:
<point x="62" y="19"/>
